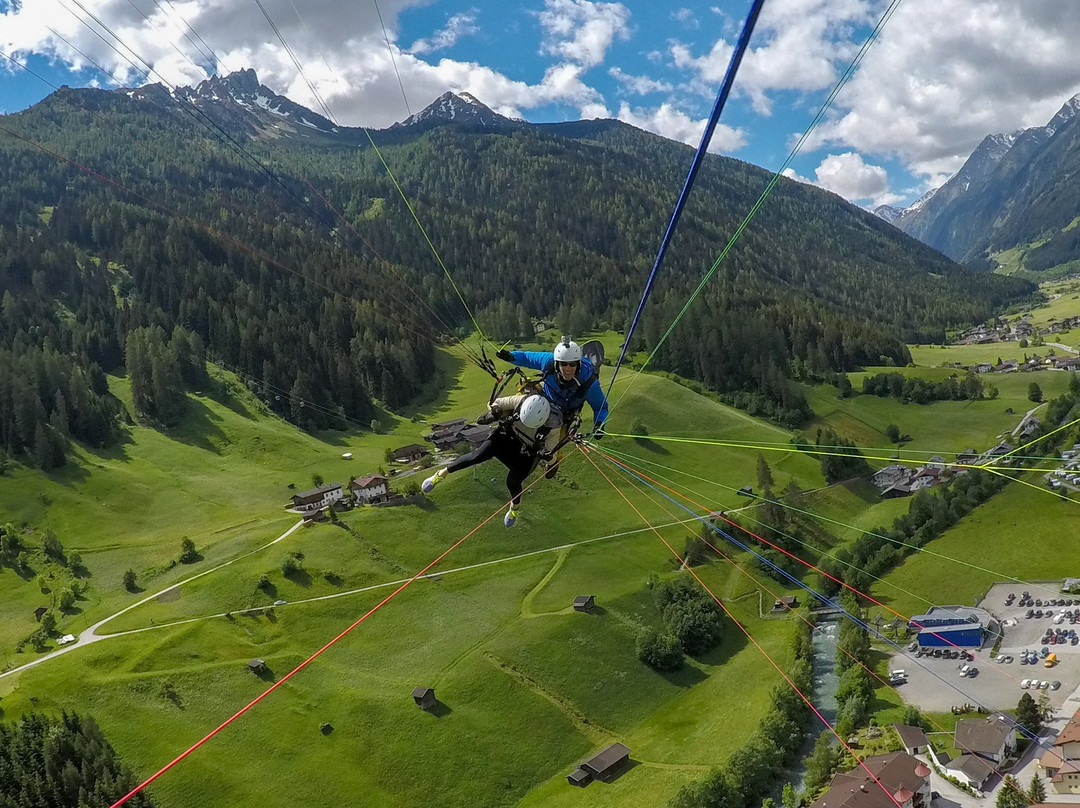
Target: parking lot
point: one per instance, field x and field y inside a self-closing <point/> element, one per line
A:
<point x="935" y="684"/>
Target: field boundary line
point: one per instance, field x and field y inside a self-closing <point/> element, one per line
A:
<point x="590" y="729"/>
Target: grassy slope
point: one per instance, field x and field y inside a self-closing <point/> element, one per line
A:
<point x="528" y="687"/>
<point x="520" y="706"/>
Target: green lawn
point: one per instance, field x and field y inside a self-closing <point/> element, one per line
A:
<point x="527" y="686"/>
<point x="499" y="643"/>
<point x="1022" y="534"/>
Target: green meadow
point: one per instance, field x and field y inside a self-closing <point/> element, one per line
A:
<point x="527" y="687"/>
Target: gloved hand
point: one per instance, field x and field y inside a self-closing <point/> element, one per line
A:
<point x="486" y="418"/>
<point x="504" y="355"/>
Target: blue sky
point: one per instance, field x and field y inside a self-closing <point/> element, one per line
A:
<point x="925" y="95"/>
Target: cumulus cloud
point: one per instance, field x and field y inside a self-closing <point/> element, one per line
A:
<point x="796" y="46"/>
<point x="457" y="26"/>
<point x="581" y="31"/>
<point x="670" y="122"/>
<point x="851" y="177"/>
<point x="930" y="93"/>
<point x="639" y="85"/>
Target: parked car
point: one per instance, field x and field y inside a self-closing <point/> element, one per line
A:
<point x="1055" y="685"/>
<point x="1044" y="685"/>
<point x="1025" y="684"/>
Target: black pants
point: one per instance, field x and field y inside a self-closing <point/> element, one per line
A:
<point x="507" y="450"/>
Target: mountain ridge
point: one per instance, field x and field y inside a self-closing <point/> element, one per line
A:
<point x="1013" y="191"/>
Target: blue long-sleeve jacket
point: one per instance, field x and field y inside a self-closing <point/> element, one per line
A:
<point x="569" y="397"/>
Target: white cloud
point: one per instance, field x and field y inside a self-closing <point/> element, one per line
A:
<point x="851" y="177"/>
<point x="672" y="123"/>
<point x="930" y="93"/>
<point x="686" y="17"/>
<point x="639" y="85"/>
<point x="581" y="31"/>
<point x="794" y="47"/>
<point x="457" y="26"/>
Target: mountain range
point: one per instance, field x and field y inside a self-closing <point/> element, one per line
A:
<point x="282" y="242"/>
<point x="1013" y="205"/>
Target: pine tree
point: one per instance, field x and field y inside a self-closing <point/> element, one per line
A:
<point x="1037" y="790"/>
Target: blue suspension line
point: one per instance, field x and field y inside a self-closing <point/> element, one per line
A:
<point x="714" y="118"/>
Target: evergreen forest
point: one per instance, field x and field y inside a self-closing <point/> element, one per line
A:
<point x="138" y="234"/>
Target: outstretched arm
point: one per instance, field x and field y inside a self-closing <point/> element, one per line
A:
<point x="536" y="360"/>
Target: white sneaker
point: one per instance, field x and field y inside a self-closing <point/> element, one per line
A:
<point x="432" y="481"/>
<point x="511" y="517"/>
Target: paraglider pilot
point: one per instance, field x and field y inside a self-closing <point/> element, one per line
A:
<point x="517" y="442"/>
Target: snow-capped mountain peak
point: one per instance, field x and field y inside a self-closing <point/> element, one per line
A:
<point x="462" y="108"/>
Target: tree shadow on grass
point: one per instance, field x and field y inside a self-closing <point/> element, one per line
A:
<point x="115" y="451"/>
<point x="436" y="394"/>
<point x="198" y="428"/>
<point x="734" y="641"/>
<point x="652" y="446"/>
<point x="864" y="490"/>
<point x="270" y="589"/>
<point x="299" y="577"/>
<point x="686" y="676"/>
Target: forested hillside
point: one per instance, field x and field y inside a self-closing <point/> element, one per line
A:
<point x="124" y="213"/>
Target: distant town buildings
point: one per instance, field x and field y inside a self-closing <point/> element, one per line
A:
<point x="1061" y="765"/>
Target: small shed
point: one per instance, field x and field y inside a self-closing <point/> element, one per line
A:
<point x="913" y="739"/>
<point x="579" y="777"/>
<point x="424" y="698"/>
<point x="584" y="603"/>
<point x="256" y="666"/>
<point x="39" y="612"/>
<point x="604" y="765"/>
<point x="786" y="603"/>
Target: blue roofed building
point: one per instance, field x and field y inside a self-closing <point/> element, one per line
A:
<point x="953" y="627"/>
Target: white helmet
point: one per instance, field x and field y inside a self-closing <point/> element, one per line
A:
<point x="567" y="351"/>
<point x="534" y="412"/>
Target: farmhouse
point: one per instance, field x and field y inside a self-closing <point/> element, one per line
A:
<point x="967" y="457"/>
<point x="446" y="434"/>
<point x="410" y="453"/>
<point x="372" y="488"/>
<point x="887" y="781"/>
<point x="1061" y="765"/>
<point x="992" y="738"/>
<point x="604" y="765"/>
<point x="317" y="498"/>
<point x="890" y="475"/>
<point x="897" y="490"/>
<point x="952" y="626"/>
